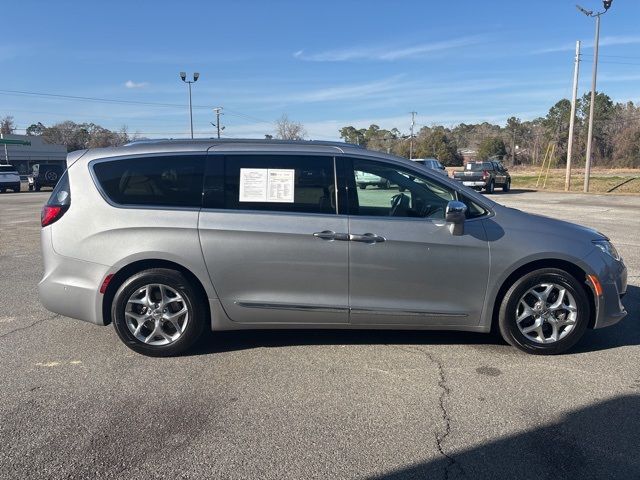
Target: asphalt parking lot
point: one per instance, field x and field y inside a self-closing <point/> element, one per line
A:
<point x="76" y="403"/>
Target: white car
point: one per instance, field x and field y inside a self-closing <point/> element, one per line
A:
<point x="364" y="179"/>
<point x="9" y="178"/>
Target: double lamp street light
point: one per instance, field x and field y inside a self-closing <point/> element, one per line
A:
<point x="589" y="13"/>
<point x="183" y="77"/>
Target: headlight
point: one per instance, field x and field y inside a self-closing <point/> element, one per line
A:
<point x="608" y="248"/>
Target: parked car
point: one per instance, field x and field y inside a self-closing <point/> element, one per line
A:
<point x="365" y="179"/>
<point x="9" y="178"/>
<point x="45" y="175"/>
<point x="166" y="239"/>
<point x="485" y="175"/>
<point x="432" y="163"/>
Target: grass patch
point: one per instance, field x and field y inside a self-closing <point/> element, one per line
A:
<point x="597" y="184"/>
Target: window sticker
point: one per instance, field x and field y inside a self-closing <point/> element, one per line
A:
<point x="280" y="185"/>
<point x="253" y="184"/>
<point x="267" y="185"/>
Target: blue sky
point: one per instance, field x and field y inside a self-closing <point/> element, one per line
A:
<point x="326" y="64"/>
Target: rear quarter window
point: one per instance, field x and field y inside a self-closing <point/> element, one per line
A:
<point x="163" y="181"/>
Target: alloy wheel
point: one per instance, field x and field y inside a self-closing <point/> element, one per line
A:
<point x="546" y="313"/>
<point x="156" y="314"/>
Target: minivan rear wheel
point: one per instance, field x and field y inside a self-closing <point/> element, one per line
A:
<point x="544" y="312"/>
<point x="158" y="313"/>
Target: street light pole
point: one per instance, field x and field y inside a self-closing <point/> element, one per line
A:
<point x="183" y="77"/>
<point x="190" y="111"/>
<point x="592" y="104"/>
<point x="597" y="15"/>
<point x="413" y="122"/>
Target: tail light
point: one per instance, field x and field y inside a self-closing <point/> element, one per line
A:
<point x="485" y="174"/>
<point x="58" y="203"/>
<point x="51" y="213"/>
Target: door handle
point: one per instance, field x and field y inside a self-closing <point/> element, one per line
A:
<point x="331" y="235"/>
<point x="325" y="235"/>
<point x="367" y="238"/>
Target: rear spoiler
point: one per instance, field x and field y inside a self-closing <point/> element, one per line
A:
<point x="73" y="157"/>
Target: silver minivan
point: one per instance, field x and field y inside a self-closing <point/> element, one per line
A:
<point x="166" y="238"/>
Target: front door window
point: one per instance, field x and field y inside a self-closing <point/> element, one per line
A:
<point x="395" y="192"/>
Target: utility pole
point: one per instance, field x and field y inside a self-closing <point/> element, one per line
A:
<point x="589" y="13"/>
<point x="513" y="147"/>
<point x="6" y="152"/>
<point x="413" y="122"/>
<point x="217" y="110"/>
<point x="574" y="96"/>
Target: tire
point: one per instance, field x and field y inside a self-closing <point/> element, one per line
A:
<point x="507" y="186"/>
<point x="31" y="188"/>
<point x="385" y="186"/>
<point x="2" y="190"/>
<point x="38" y="187"/>
<point x="569" y="333"/>
<point x="17" y="190"/>
<point x="190" y="299"/>
<point x="362" y="186"/>
<point x="491" y="187"/>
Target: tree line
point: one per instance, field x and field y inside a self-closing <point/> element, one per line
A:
<point x="616" y="134"/>
<point x="616" y="137"/>
<point x="76" y="136"/>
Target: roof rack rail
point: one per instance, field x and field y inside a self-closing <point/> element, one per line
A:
<point x="242" y="140"/>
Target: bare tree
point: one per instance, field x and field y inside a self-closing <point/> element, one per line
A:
<point x="289" y="130"/>
<point x="7" y="126"/>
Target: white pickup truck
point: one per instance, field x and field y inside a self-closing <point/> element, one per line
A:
<point x="9" y="178"/>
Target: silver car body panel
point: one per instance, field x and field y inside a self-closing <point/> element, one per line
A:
<point x="267" y="270"/>
<point x="273" y="259"/>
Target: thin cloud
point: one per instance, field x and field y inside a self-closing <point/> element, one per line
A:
<point x="132" y="84"/>
<point x="386" y="53"/>
<point x="604" y="42"/>
<point x="341" y="92"/>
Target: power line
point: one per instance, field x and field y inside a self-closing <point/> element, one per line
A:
<point x="620" y="56"/>
<point x="612" y="62"/>
<point x="122" y="102"/>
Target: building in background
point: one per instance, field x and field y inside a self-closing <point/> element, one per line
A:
<point x="468" y="155"/>
<point x="23" y="157"/>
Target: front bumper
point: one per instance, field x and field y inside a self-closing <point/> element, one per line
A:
<point x="613" y="280"/>
<point x="10" y="185"/>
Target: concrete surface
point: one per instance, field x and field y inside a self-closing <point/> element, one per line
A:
<point x="76" y="403"/>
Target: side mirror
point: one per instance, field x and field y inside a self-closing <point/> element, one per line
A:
<point x="456" y="214"/>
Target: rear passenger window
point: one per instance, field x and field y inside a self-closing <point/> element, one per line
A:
<point x="280" y="183"/>
<point x="167" y="181"/>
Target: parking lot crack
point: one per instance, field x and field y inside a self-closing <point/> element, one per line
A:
<point x="26" y="327"/>
<point x="445" y="392"/>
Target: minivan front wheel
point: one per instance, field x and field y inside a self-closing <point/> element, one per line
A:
<point x="544" y="312"/>
<point x="157" y="312"/>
